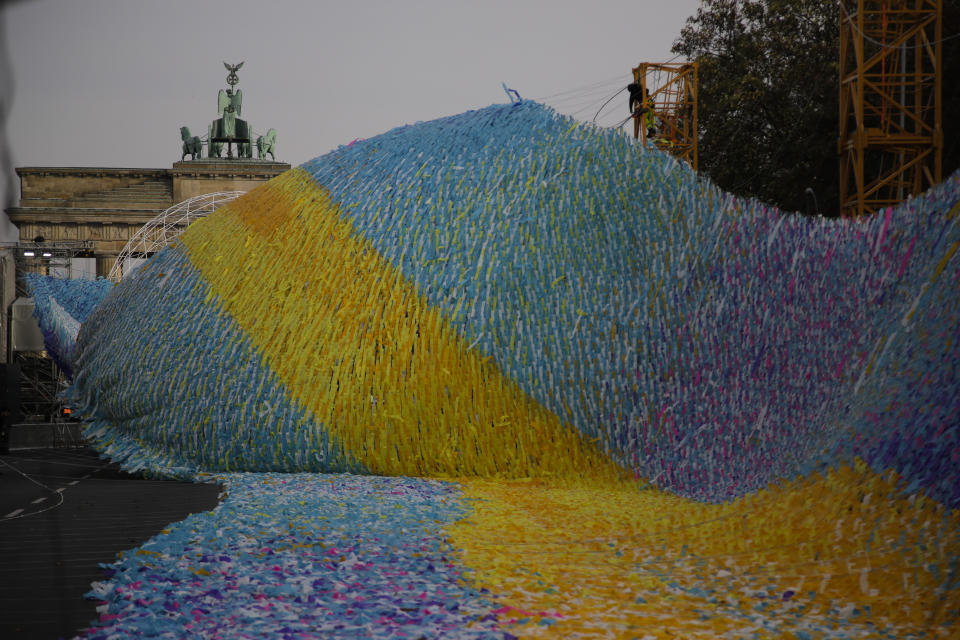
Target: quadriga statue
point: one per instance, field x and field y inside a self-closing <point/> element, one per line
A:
<point x="191" y="144"/>
<point x="267" y="144"/>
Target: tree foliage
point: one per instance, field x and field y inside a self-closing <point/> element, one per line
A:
<point x="951" y="88"/>
<point x="768" y="97"/>
<point x="768" y="103"/>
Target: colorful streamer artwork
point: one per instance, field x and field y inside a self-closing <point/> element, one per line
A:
<point x="507" y="374"/>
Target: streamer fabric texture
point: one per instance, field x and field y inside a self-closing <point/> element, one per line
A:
<point x="526" y="377"/>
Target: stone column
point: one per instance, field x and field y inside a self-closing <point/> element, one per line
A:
<point x="105" y="264"/>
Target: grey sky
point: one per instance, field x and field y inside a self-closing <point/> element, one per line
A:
<point x="110" y="82"/>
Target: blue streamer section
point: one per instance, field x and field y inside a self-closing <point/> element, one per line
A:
<point x="60" y="307"/>
<point x="298" y="556"/>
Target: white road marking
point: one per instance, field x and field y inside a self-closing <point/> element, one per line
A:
<point x="38" y="501"/>
<point x="13" y="513"/>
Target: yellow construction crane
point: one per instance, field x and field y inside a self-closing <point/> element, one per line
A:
<point x="666" y="113"/>
<point x="891" y="134"/>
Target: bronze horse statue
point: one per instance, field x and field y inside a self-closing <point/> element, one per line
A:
<point x="191" y="144"/>
<point x="267" y="144"/>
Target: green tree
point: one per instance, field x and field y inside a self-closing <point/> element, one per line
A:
<point x="951" y="88"/>
<point x="768" y="108"/>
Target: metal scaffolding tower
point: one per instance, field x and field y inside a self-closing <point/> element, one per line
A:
<point x="48" y="258"/>
<point x="891" y="135"/>
<point x="40" y="380"/>
<point x="673" y="101"/>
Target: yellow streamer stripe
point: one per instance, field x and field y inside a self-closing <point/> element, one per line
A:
<point x="361" y="349"/>
<point x="946" y="258"/>
<point x="616" y="562"/>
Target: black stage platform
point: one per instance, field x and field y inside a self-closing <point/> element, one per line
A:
<point x="62" y="512"/>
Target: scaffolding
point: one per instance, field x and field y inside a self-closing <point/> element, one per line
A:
<point x="672" y="99"/>
<point x="48" y="258"/>
<point x="891" y="135"/>
<point x="40" y="382"/>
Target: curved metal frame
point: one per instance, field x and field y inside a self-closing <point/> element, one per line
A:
<point x="160" y="231"/>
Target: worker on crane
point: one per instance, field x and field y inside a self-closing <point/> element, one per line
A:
<point x="641" y="106"/>
<point x="636" y="105"/>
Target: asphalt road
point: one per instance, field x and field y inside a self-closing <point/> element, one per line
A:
<point x="62" y="512"/>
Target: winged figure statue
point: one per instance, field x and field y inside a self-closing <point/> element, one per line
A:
<point x="230" y="100"/>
